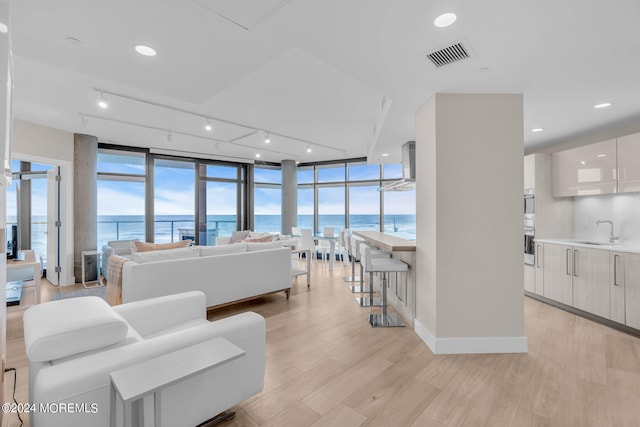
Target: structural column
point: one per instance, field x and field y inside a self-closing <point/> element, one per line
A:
<point x="85" y="206"/>
<point x="469" y="270"/>
<point x="289" y="195"/>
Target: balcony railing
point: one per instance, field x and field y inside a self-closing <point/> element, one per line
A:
<point x="165" y="230"/>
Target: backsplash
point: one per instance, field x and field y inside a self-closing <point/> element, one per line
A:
<point x="622" y="209"/>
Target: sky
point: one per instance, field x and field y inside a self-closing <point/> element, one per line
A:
<point x="175" y="186"/>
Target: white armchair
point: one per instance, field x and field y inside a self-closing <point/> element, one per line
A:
<point x="115" y="247"/>
<point x="74" y="344"/>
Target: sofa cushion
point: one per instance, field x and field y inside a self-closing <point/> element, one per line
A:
<point x="262" y="246"/>
<point x="165" y="255"/>
<point x="238" y="248"/>
<point x="148" y="247"/>
<point x="239" y="236"/>
<point x="58" y="329"/>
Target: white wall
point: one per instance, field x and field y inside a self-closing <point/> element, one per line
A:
<point x="469" y="223"/>
<point x="36" y="143"/>
<point x="622" y="209"/>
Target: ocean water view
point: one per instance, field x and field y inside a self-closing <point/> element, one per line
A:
<point x="171" y="228"/>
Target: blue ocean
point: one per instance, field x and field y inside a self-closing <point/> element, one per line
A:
<point x="171" y="228"/>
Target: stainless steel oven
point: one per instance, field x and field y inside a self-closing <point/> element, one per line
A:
<point x="529" y="246"/>
<point x="529" y="204"/>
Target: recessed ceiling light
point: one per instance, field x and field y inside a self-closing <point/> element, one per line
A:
<point x="603" y="105"/>
<point x="602" y="155"/>
<point x="3" y="27"/>
<point x="537" y="129"/>
<point x="385" y="154"/>
<point x="445" y="20"/>
<point x="145" y="50"/>
<point x="583" y="162"/>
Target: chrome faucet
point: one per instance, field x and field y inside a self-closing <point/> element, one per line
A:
<point x="612" y="238"/>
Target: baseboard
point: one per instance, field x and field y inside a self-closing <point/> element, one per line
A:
<point x="471" y="345"/>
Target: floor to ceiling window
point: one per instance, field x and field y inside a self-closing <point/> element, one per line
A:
<point x="346" y="195"/>
<point x="306" y="181"/>
<point x="121" y="195"/>
<point x="223" y="194"/>
<point x="399" y="206"/>
<point x="267" y="199"/>
<point x="174" y="200"/>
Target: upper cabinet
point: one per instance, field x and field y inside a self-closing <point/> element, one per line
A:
<point x="585" y="170"/>
<point x="629" y="163"/>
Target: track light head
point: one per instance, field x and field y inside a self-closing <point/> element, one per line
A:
<point x="169" y="136"/>
<point x="83" y="121"/>
<point x="308" y="148"/>
<point x="266" y="138"/>
<point x="102" y="102"/>
<point x="208" y="126"/>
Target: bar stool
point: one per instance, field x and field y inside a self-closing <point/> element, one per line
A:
<point x="368" y="253"/>
<point x="386" y="266"/>
<point x="352" y="242"/>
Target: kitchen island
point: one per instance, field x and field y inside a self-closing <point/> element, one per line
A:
<point x="402" y="298"/>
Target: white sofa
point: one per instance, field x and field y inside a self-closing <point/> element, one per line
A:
<point x="74" y="344"/>
<point x="256" y="269"/>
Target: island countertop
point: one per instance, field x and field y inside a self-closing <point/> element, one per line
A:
<point x="387" y="242"/>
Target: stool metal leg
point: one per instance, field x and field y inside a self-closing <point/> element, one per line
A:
<point x="353" y="277"/>
<point x="384" y="320"/>
<point x="369" y="301"/>
<point x="362" y="288"/>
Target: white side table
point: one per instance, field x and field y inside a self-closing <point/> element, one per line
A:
<point x="151" y="376"/>
<point x="98" y="255"/>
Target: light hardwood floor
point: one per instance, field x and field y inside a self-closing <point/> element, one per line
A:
<point x="327" y="367"/>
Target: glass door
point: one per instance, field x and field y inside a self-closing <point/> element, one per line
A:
<point x="174" y="200"/>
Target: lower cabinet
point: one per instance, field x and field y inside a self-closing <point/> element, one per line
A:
<point x="617" y="280"/>
<point x="631" y="285"/>
<point x="579" y="277"/>
<point x="529" y="278"/>
<point x="538" y="270"/>
<point x="591" y="291"/>
<point x="558" y="273"/>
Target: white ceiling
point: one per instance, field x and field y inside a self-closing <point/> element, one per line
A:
<point x="315" y="70"/>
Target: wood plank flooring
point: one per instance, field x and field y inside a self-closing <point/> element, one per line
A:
<point x="327" y="367"/>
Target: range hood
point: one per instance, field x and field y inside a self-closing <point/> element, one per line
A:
<point x="408" y="181"/>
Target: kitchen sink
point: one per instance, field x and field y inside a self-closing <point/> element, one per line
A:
<point x="590" y="242"/>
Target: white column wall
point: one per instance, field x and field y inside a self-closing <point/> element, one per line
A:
<point x="469" y="203"/>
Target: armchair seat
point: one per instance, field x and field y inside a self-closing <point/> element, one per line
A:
<point x="73" y="345"/>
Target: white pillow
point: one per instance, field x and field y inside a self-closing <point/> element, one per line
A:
<point x="165" y="255"/>
<point x="236" y="248"/>
<point x="57" y="329"/>
<point x="262" y="246"/>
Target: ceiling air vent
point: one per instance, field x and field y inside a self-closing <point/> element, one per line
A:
<point x="450" y="54"/>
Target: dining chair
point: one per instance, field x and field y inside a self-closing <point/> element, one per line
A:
<point x="307" y="242"/>
<point x="324" y="246"/>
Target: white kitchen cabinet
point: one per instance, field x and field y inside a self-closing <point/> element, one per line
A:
<point x="591" y="281"/>
<point x="529" y="171"/>
<point x="585" y="170"/>
<point x="538" y="270"/>
<point x="629" y="163"/>
<point x="529" y="278"/>
<point x="558" y="273"/>
<point x="632" y="290"/>
<point x="617" y="280"/>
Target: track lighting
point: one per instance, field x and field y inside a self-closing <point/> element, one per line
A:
<point x="83" y="121"/>
<point x="169" y="137"/>
<point x="258" y="155"/>
<point x="102" y="103"/>
<point x="266" y="138"/>
<point x="308" y="148"/>
<point x="207" y="126"/>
